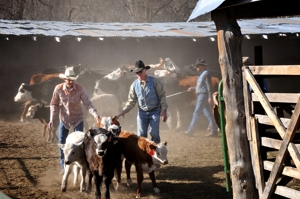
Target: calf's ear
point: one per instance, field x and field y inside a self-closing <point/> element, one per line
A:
<point x="152" y="146"/>
<point x="89" y="134"/>
<point x="61" y="146"/>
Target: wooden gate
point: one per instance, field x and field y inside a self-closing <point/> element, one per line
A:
<point x="272" y="129"/>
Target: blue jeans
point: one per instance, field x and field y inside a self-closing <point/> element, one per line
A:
<point x="62" y="136"/>
<point x="203" y="105"/>
<point x="149" y="119"/>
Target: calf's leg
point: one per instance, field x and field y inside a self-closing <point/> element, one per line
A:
<point x="107" y="181"/>
<point x="82" y="175"/>
<point x="64" y="182"/>
<point x="153" y="180"/>
<point x="89" y="183"/>
<point x="118" y="172"/>
<point x="44" y="128"/>
<point x="98" y="183"/>
<point x="75" y="173"/>
<point x="127" y="168"/>
<point x="140" y="178"/>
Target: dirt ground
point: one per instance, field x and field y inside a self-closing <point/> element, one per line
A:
<point x="29" y="167"/>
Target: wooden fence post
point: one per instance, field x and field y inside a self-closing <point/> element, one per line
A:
<point x="230" y="59"/>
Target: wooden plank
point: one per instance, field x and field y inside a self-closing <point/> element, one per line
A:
<point x="270" y="142"/>
<point x="274" y="143"/>
<point x="248" y="109"/>
<point x="269" y="110"/>
<point x="278" y="164"/>
<point x="265" y="103"/>
<point x="256" y="158"/>
<point x="264" y="119"/>
<point x="275" y="70"/>
<point x="287" y="170"/>
<point x="287" y="192"/>
<point x="279" y="97"/>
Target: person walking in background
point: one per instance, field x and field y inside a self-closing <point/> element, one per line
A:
<point x="203" y="90"/>
<point x="67" y="98"/>
<point x="149" y="93"/>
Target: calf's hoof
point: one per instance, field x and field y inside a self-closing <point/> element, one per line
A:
<point x="156" y="190"/>
<point x="117" y="186"/>
<point x="82" y="189"/>
<point x="129" y="182"/>
<point x="138" y="196"/>
<point x="63" y="188"/>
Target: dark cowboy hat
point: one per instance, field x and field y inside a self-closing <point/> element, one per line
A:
<point x="139" y="65"/>
<point x="200" y="62"/>
<point x="246" y="61"/>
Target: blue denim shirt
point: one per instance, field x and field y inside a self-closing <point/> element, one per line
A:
<point x="204" y="84"/>
<point x="147" y="97"/>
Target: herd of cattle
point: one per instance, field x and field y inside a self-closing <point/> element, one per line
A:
<point x="100" y="153"/>
<point x="101" y="150"/>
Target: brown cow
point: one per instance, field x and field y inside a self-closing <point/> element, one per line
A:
<point x="192" y="81"/>
<point x="145" y="155"/>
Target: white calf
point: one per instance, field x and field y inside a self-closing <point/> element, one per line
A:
<point x="74" y="157"/>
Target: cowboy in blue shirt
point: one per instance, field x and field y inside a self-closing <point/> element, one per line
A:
<point x="203" y="90"/>
<point x="149" y="94"/>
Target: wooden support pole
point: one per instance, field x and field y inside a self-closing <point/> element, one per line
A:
<point x="230" y="59"/>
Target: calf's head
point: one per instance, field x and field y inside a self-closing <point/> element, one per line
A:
<point x="103" y="139"/>
<point x="110" y="124"/>
<point x="33" y="110"/>
<point x="30" y="111"/>
<point x="23" y="94"/>
<point x="160" y="155"/>
<point x="72" y="152"/>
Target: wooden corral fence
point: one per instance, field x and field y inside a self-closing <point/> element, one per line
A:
<point x="273" y="136"/>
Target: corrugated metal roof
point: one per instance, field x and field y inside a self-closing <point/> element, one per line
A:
<point x="182" y="29"/>
<point x="204" y="6"/>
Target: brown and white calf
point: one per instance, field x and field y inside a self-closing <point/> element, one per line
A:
<point x="42" y="113"/>
<point x="145" y="155"/>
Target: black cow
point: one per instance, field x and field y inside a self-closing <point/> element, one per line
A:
<point x="87" y="79"/>
<point x="41" y="92"/>
<point x="103" y="155"/>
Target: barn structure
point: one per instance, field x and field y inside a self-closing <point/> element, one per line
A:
<point x="28" y="47"/>
<point x="257" y="120"/>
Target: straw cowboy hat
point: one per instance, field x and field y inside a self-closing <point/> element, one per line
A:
<point x="139" y="65"/>
<point x="69" y="74"/>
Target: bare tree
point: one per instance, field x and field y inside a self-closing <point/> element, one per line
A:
<point x="99" y="10"/>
